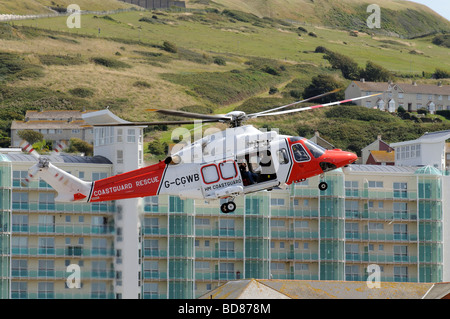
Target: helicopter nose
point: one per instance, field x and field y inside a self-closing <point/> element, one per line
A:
<point x="345" y="158"/>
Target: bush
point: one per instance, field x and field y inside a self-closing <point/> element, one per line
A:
<point x="441" y="74"/>
<point x="442" y="40"/>
<point x="320" y="49"/>
<point x="312" y="34"/>
<point x="142" y="84"/>
<point x="77" y="145"/>
<point x="169" y="47"/>
<point x="220" y="61"/>
<point x="82" y="92"/>
<point x="49" y="59"/>
<point x="158" y="148"/>
<point x="423" y="111"/>
<point x="110" y="63"/>
<point x="273" y="90"/>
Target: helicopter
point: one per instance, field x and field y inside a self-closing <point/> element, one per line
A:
<point x="221" y="166"/>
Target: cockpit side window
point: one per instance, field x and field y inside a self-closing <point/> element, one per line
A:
<point x="300" y="155"/>
<point x="316" y="150"/>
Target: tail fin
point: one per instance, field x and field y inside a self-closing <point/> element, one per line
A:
<point x="69" y="187"/>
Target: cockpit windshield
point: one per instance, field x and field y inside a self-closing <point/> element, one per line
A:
<point x="316" y="150"/>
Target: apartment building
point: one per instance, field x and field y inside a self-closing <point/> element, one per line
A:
<point x="391" y="217"/>
<point x="412" y="97"/>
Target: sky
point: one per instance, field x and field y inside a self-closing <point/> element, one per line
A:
<point x="440" y="6"/>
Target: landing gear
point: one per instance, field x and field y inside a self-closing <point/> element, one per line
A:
<point x="228" y="207"/>
<point x="323" y="186"/>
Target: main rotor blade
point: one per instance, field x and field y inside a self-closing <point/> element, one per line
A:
<point x="320" y="105"/>
<point x="191" y="115"/>
<point x="158" y="123"/>
<point x="294" y="103"/>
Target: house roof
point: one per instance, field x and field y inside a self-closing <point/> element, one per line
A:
<point x="54" y="114"/>
<point x="425" y="88"/>
<point x="387" y="169"/>
<point x="322" y="289"/>
<point x="383" y="156"/>
<point x="372" y="86"/>
<point x="48" y="124"/>
<point x="432" y="137"/>
<point x="404" y="87"/>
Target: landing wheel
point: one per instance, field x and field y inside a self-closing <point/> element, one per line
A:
<point x="323" y="186"/>
<point x="228" y="207"/>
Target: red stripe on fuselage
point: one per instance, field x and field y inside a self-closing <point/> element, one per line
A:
<point x="138" y="183"/>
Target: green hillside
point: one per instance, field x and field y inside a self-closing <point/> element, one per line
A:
<point x="404" y="18"/>
<point x="209" y="61"/>
<point x="24" y="7"/>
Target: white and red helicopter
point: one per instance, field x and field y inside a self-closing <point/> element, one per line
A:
<point x="239" y="160"/>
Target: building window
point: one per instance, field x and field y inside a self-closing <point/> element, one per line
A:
<point x="99" y="246"/>
<point x="131" y="135"/>
<point x="19" y="245"/>
<point x="98" y="175"/>
<point x="400" y="190"/>
<point x="19" y="267"/>
<point x="400" y="210"/>
<point x="46" y="290"/>
<point x="46" y="201"/>
<point x="351" y="188"/>
<point x="277" y="201"/>
<point x="19" y="200"/>
<point x="119" y="157"/>
<point x="46" y="246"/>
<point x="46" y="268"/>
<point x="375" y="184"/>
<point x="418" y="96"/>
<point x="400" y="232"/>
<point x="400" y="273"/>
<point x="19" y="177"/>
<point x="352" y="272"/>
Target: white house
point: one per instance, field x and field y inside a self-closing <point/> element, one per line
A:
<point x="429" y="149"/>
<point x="411" y="97"/>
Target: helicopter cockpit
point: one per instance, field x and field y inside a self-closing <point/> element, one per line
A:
<point x="300" y="153"/>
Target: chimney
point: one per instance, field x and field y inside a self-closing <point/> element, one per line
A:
<point x="316" y="133"/>
<point x="379" y="137"/>
<point x="362" y="80"/>
<point x="440" y="84"/>
<point x="414" y="83"/>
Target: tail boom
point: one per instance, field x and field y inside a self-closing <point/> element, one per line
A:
<point x="142" y="182"/>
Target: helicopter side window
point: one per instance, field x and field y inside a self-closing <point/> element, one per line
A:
<point x="210" y="174"/>
<point x="316" y="150"/>
<point x="283" y="157"/>
<point x="300" y="155"/>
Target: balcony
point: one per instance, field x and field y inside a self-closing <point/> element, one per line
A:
<point x="63" y="229"/>
<point x="66" y="251"/>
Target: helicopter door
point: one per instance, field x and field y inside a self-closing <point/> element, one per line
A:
<point x="221" y="179"/>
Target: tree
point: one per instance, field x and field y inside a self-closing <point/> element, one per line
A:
<point x="375" y="73"/>
<point x="320" y="84"/>
<point x="348" y="66"/>
<point x="78" y="145"/>
<point x="30" y="136"/>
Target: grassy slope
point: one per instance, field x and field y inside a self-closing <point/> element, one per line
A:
<point x="210" y="36"/>
<point x="42" y="6"/>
